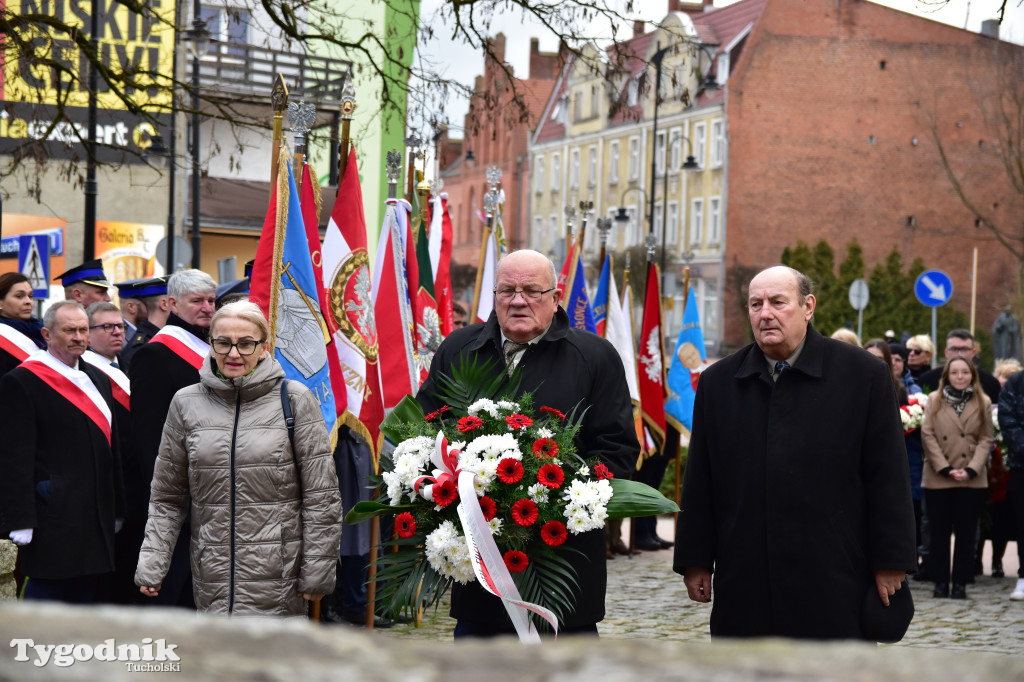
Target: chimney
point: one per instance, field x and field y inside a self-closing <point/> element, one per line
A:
<point x="675" y="6"/>
<point x="990" y="28"/>
<point x="638" y="28"/>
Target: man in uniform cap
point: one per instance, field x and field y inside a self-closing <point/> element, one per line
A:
<point x="132" y="308"/>
<point x="85" y="283"/>
<point x="151" y="296"/>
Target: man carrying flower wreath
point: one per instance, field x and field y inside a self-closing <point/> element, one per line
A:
<point x="564" y="369"/>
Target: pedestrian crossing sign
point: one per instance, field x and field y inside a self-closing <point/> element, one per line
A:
<point x="34" y="262"/>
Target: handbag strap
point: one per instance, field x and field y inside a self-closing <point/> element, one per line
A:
<point x="289" y="421"/>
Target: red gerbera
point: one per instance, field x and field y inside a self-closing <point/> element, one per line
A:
<point x="405" y="525"/>
<point x="553" y="533"/>
<point x="510" y="470"/>
<point x="551" y="475"/>
<point x="602" y="472"/>
<point x="435" y="414"/>
<point x="524" y="512"/>
<point x="445" y="493"/>
<point x="489" y="507"/>
<point x="518" y="421"/>
<point x="553" y="411"/>
<point x="545" y="447"/>
<point x="516" y="561"/>
<point x="470" y="423"/>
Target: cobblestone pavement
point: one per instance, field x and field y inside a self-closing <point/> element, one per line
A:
<point x="647" y="600"/>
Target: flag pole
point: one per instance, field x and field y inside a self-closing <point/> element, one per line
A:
<point x="301" y="116"/>
<point x="491" y="205"/>
<point x="279" y="101"/>
<point x="348" y="107"/>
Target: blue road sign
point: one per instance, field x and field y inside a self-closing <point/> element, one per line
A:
<point x="34" y="262"/>
<point x="933" y="288"/>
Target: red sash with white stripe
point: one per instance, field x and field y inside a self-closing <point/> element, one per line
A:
<point x="120" y="386"/>
<point x="16" y="343"/>
<point x="184" y="344"/>
<point x="74" y="386"/>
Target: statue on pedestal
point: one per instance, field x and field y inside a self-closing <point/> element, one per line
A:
<point x="1006" y="336"/>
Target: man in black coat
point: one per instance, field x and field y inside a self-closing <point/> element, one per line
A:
<point x="148" y="299"/>
<point x="960" y="344"/>
<point x="61" y="493"/>
<point x="796" y="494"/>
<point x="169" y="362"/>
<point x="564" y="368"/>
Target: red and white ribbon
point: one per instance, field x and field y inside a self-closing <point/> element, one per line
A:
<point x="16" y="343"/>
<point x="185" y="345"/>
<point x="446" y="461"/>
<point x="119" y="383"/>
<point x="73" y="385"/>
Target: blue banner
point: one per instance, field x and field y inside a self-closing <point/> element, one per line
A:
<point x="301" y="333"/>
<point x="601" y="298"/>
<point x="687" y="363"/>
<point x="577" y="304"/>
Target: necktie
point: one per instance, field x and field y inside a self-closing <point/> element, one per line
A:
<point x="511" y="348"/>
<point x="114" y="365"/>
<point x="780" y="367"/>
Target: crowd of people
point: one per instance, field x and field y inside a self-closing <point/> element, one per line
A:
<point x="168" y="411"/>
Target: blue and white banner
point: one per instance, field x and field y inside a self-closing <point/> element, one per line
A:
<point x="688" y="361"/>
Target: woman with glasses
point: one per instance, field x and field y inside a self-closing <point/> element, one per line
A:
<point x="265" y="503"/>
<point x="957" y="438"/>
<point x="920" y="350"/>
<point x="20" y="333"/>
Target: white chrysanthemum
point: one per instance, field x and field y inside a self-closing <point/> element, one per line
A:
<point x="576" y="525"/>
<point x="602" y="489"/>
<point x="448" y="553"/>
<point x="584" y="471"/>
<point x="394" y="483"/>
<point x="538" y="493"/>
<point x="508" y="405"/>
<point x="494" y="448"/>
<point x="483" y="405"/>
<point x="579" y="493"/>
<point x="545" y="432"/>
<point x="495" y="525"/>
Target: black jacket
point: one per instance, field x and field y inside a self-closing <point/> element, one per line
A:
<point x="795" y="492"/>
<point x="1011" y="419"/>
<point x="60" y="476"/>
<point x="566" y="369"/>
<point x="145" y="331"/>
<point x="157" y="373"/>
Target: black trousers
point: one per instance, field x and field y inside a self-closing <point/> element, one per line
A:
<point x="1015" y="499"/>
<point x="953" y="511"/>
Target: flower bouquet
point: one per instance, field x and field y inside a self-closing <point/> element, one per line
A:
<point x="489" y="488"/>
<point x="912" y="414"/>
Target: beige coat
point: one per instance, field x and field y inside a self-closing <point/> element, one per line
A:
<point x="957" y="442"/>
<point x="258" y="538"/>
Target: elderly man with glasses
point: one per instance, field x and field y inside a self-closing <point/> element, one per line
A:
<point x="960" y="344"/>
<point x="563" y="368"/>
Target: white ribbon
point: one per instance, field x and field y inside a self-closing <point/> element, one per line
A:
<point x="489" y="566"/>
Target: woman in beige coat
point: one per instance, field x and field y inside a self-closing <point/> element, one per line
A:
<point x="266" y="521"/>
<point x="957" y="438"/>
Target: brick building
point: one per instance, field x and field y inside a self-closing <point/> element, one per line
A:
<point x="835" y="111"/>
<point x="496" y="134"/>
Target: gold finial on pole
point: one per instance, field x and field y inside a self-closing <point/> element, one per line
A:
<point x="279" y="101"/>
<point x="348" y="107"/>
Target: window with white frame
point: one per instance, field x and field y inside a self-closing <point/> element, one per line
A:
<point x="717" y="142"/>
<point x="709" y="316"/>
<point x="613" y="162"/>
<point x="538" y="176"/>
<point x="675" y="149"/>
<point x="537" y="239"/>
<point x="592" y="166"/>
<point x="700" y="143"/>
<point x="631" y="227"/>
<point x="697" y="222"/>
<point x="659" y="152"/>
<point x="633" y="92"/>
<point x="673" y="223"/>
<point x="554" y="231"/>
<point x="595" y="100"/>
<point x="722" y="71"/>
<point x="658" y="220"/>
<point x="574" y="170"/>
<point x="229" y="29"/>
<point x="556" y="171"/>
<point x="714" y="220"/>
<point x="634" y="158"/>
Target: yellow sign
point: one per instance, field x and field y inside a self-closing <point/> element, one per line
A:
<point x="128" y="250"/>
<point x="140" y="43"/>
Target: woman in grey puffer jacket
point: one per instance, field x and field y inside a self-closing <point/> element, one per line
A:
<point x="266" y="523"/>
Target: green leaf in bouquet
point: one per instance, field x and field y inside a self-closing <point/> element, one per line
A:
<point x="550" y="581"/>
<point x="406" y="581"/>
<point x="470" y="381"/>
<point x="407" y="411"/>
<point x="364" y="511"/>
<point x="632" y="498"/>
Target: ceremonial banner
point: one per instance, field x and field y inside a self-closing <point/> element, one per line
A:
<point x="441" y="260"/>
<point x="685" y="368"/>
<point x="311" y="204"/>
<point x="398" y="373"/>
<point x="651" y="370"/>
<point x="601" y="297"/>
<point x="620" y="331"/>
<point x="347" y="279"/>
<point x="576" y="300"/>
<point x="285" y="288"/>
<point x="485" y="297"/>
<point x="428" y="324"/>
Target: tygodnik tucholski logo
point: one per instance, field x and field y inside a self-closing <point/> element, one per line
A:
<point x="147" y="656"/>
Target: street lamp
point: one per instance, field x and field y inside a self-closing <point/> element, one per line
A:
<point x="90" y="188"/>
<point x="198" y="41"/>
<point x="689" y="164"/>
<point x="656" y="60"/>
<point x="622" y="217"/>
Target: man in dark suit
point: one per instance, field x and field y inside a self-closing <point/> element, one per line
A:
<point x="566" y="369"/>
<point x="61" y="493"/>
<point x="796" y="494"/>
<point x="960" y="344"/>
<point x="151" y="296"/>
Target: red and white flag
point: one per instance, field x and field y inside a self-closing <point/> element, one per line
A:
<point x="348" y="284"/>
<point x="485" y="296"/>
<point x="651" y="366"/>
<point x="441" y="260"/>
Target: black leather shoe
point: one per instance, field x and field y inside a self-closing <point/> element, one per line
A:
<point x="360" y="621"/>
<point x="648" y="545"/>
<point x="958" y="592"/>
<point x="997" y="569"/>
<point x="665" y="544"/>
<point x="941" y="590"/>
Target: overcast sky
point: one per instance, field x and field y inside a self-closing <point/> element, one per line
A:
<point x="463" y="63"/>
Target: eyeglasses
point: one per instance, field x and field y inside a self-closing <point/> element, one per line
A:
<point x="245" y="347"/>
<point x="959" y="349"/>
<point x="915" y="351"/>
<point x="509" y="295"/>
<point x="110" y="327"/>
